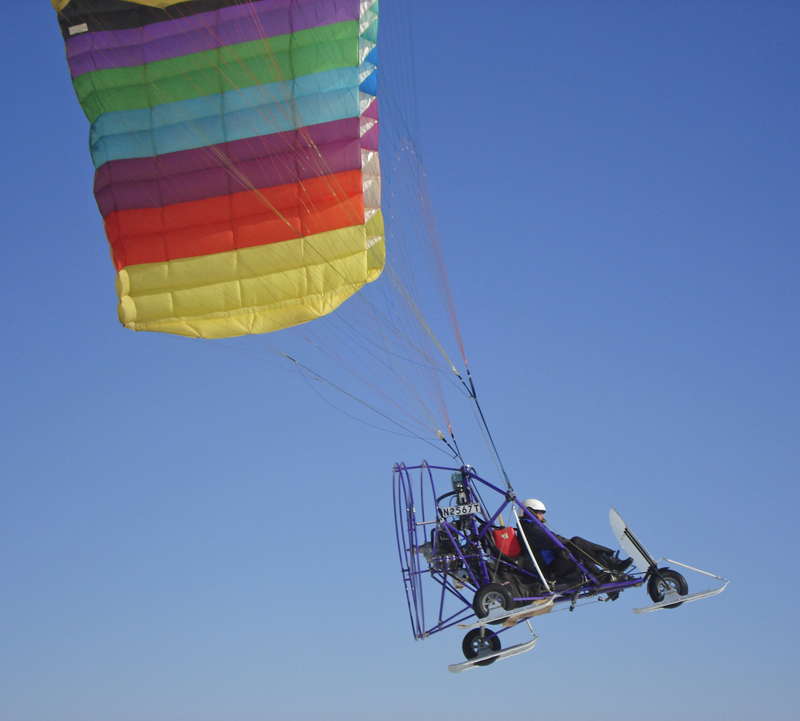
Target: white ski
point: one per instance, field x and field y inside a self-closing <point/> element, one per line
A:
<point x="673" y="597"/>
<point x="503" y="653"/>
<point x="643" y="560"/>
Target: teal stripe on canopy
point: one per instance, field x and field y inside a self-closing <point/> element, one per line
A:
<point x="221" y="118"/>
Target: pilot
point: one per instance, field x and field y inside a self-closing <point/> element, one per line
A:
<point x="557" y="563"/>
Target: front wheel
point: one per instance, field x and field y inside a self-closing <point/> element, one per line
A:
<point x="491" y="597"/>
<point x="665" y="580"/>
<point x="478" y="641"/>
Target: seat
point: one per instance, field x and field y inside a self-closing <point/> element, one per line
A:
<point x="506" y="542"/>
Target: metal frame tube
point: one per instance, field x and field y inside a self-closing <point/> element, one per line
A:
<point x="530" y="552"/>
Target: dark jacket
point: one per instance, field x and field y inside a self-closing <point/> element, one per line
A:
<point x="537" y="537"/>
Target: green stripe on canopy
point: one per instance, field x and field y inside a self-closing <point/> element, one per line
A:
<point x="210" y="72"/>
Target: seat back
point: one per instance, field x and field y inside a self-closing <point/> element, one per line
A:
<point x="507" y="542"/>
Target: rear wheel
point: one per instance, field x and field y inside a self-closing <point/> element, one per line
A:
<point x="665" y="580"/>
<point x="491" y="597"/>
<point x="479" y="641"/>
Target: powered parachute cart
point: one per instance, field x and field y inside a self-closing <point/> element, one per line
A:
<point x="466" y="563"/>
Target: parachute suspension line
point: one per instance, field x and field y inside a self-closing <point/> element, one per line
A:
<point x="469" y="385"/>
<point x="485" y="437"/>
<point x="452" y="444"/>
<point x="427" y="363"/>
<point x="433" y="234"/>
<point x="430" y="423"/>
<point x="404" y="380"/>
<point x="453" y="450"/>
<point x="385" y="337"/>
<point x="308" y="381"/>
<point x="316" y="376"/>
<point x="411" y="304"/>
<point x="407" y="121"/>
<point x="415" y="309"/>
<point x="455" y="442"/>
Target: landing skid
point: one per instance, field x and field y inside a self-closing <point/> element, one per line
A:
<point x="645" y="562"/>
<point x="495" y="655"/>
<point x="672" y="597"/>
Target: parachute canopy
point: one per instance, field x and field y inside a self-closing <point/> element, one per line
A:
<point x="235" y="145"/>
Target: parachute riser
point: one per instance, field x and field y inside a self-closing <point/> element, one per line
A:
<point x="469" y="387"/>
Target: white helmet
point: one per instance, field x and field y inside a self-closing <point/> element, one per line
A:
<point x="534" y="504"/>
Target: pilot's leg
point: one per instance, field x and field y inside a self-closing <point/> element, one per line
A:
<point x="601" y="555"/>
<point x="592" y="552"/>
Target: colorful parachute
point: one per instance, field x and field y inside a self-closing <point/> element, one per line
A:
<point x="235" y="145"/>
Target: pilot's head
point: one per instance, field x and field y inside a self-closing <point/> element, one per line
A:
<point x="536" y="507"/>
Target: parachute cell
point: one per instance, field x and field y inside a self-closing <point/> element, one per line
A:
<point x="236" y="154"/>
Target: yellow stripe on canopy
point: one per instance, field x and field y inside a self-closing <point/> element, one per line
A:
<point x="252" y="290"/>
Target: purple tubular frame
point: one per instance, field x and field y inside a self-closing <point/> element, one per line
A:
<point x="432" y="587"/>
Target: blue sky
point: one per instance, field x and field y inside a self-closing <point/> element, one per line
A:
<point x="190" y="532"/>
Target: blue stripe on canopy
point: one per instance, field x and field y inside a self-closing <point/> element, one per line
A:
<point x="224" y="117"/>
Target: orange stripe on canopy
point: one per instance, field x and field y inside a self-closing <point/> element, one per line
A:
<point x="239" y="220"/>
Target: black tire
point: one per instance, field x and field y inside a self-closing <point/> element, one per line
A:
<point x="491" y="597"/>
<point x="664" y="580"/>
<point x="477" y="641"/>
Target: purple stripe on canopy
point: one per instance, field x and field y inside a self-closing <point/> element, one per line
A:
<point x="372" y="110"/>
<point x="205" y="31"/>
<point x="260" y="162"/>
<point x="370" y="139"/>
